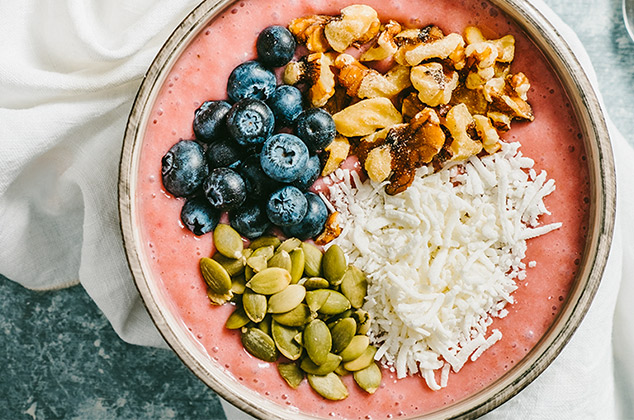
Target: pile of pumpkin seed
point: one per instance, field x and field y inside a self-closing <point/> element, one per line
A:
<point x="292" y="299"/>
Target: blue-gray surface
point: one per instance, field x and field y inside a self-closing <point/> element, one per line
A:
<point x="61" y="358"/>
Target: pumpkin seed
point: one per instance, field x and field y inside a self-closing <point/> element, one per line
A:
<point x="237" y="319"/>
<point x="248" y="273"/>
<point x="312" y="260"/>
<point x="258" y="260"/>
<point x="270" y="280"/>
<point x="341" y="371"/>
<point x="291" y="373"/>
<point x="284" y="338"/>
<point x="238" y="284"/>
<point x="287" y="299"/>
<point x="335" y="304"/>
<point x="314" y="283"/>
<point x="265" y="325"/>
<point x="265" y="241"/>
<point x="289" y="244"/>
<point x="331" y="363"/>
<point x="298" y="317"/>
<point x="357" y="346"/>
<point x="363" y="319"/>
<point x="297" y="264"/>
<point x="232" y="265"/>
<point x="259" y="344"/>
<point x="316" y="298"/>
<point x="228" y="241"/>
<point x="362" y="361"/>
<point x="342" y="333"/>
<point x="317" y="341"/>
<point x="299" y="338"/>
<point x="354" y="286"/>
<point x="254" y="305"/>
<point x="328" y="386"/>
<point x="217" y="279"/>
<point x="281" y="259"/>
<point x="369" y="378"/>
<point x="333" y="265"/>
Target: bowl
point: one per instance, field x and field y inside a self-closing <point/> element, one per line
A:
<point x="152" y="125"/>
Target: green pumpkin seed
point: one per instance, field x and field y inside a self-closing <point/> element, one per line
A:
<point x="270" y="280"/>
<point x="357" y="346"/>
<point x="265" y="241"/>
<point x="368" y="379"/>
<point x="328" y="386"/>
<point x="316" y="298"/>
<point x="284" y="338"/>
<point x="258" y="260"/>
<point x="265" y="325"/>
<point x="298" y="317"/>
<point x="237" y="319"/>
<point x="248" y="273"/>
<point x="299" y="338"/>
<point x="281" y="259"/>
<point x="312" y="260"/>
<point x="362" y="361"/>
<point x="287" y="299"/>
<point x="332" y="320"/>
<point x="333" y="265"/>
<point x="341" y="371"/>
<point x="363" y="319"/>
<point x="259" y="344"/>
<point x="342" y="333"/>
<point x="354" y="286"/>
<point x="254" y="305"/>
<point x="217" y="279"/>
<point x="314" y="283"/>
<point x="317" y="341"/>
<point x="238" y="284"/>
<point x="331" y="363"/>
<point x="289" y="244"/>
<point x="335" y="304"/>
<point x="297" y="264"/>
<point x="228" y="242"/>
<point x="291" y="373"/>
<point x="232" y="265"/>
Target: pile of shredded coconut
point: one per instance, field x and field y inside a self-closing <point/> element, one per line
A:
<point x="441" y="257"/>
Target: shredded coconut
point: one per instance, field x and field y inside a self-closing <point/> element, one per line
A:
<point x="442" y="257"/>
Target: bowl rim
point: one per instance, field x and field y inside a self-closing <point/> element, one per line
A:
<point x="601" y="224"/>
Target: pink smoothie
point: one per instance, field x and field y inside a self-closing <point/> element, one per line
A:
<point x="553" y="140"/>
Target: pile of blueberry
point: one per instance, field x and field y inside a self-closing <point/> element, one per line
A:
<point x="255" y="154"/>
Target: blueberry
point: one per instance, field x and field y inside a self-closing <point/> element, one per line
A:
<point x="313" y="223"/>
<point x="210" y="120"/>
<point x="286" y="104"/>
<point x="199" y="216"/>
<point x="250" y="121"/>
<point x="286" y="206"/>
<point x="276" y="46"/>
<point x="183" y="168"/>
<point x="316" y="128"/>
<point x="309" y="175"/>
<point x="250" y="80"/>
<point x="284" y="157"/>
<point x="258" y="184"/>
<point x="225" y="188"/>
<point x="223" y="153"/>
<point x="249" y="220"/>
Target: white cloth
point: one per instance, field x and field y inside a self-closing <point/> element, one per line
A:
<point x="69" y="71"/>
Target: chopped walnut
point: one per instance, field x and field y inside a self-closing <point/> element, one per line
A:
<point x="337" y="152"/>
<point x="488" y="135"/>
<point x="384" y="46"/>
<point x="473" y="98"/>
<point x="521" y="85"/>
<point x="332" y="229"/>
<point x="309" y="31"/>
<point x="501" y="121"/>
<point x="358" y="23"/>
<point x="363" y="82"/>
<point x="504" y="98"/>
<point x="433" y="83"/>
<point x="378" y="163"/>
<point x="440" y="48"/>
<point x="505" y="46"/>
<point x="458" y="122"/>
<point x="366" y="116"/>
<point x="411" y="106"/>
<point x="314" y="69"/>
<point x="430" y="138"/>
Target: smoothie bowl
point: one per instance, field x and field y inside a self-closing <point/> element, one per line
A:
<point x="468" y="181"/>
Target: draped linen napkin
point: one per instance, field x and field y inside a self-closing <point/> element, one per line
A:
<point x="69" y="71"/>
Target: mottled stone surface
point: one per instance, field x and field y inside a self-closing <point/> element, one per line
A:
<point x="61" y="359"/>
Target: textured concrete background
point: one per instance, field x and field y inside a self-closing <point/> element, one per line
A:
<point x="61" y="358"/>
